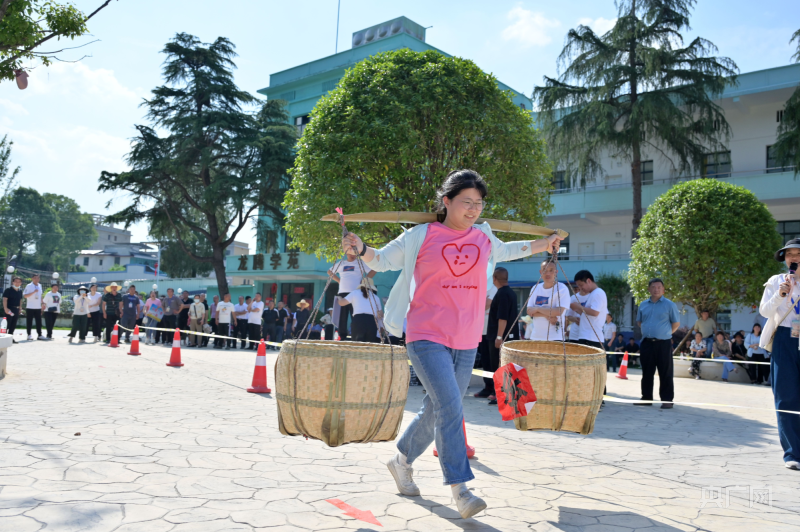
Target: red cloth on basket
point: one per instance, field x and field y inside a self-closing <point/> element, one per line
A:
<point x="515" y="395"/>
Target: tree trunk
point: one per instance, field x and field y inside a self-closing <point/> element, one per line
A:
<point x="636" y="165"/>
<point x="219" y="271"/>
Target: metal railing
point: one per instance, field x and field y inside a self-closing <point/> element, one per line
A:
<point x="675" y="180"/>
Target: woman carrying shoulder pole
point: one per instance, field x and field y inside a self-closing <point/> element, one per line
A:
<point x="449" y="262"/>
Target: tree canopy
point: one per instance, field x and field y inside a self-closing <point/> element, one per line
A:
<point x="616" y="287"/>
<point x="8" y="176"/>
<point x="27" y="24"/>
<point x="387" y="136"/>
<point x="787" y="146"/>
<point x="636" y="90"/>
<point x="689" y="238"/>
<point x="207" y="163"/>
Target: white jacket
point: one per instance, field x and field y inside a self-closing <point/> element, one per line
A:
<point x="774" y="307"/>
<point x="401" y="254"/>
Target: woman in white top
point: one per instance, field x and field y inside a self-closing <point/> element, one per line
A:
<point x="95" y="314"/>
<point x="758" y="354"/>
<point x="547" y="304"/>
<point x="609" y="331"/>
<point x="197" y="314"/>
<point x="366" y="307"/>
<point x="80" y="315"/>
<point x="780" y="304"/>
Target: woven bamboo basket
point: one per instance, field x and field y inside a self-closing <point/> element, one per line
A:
<point x="568" y="380"/>
<point x="341" y="392"/>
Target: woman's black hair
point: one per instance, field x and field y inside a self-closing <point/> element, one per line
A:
<point x="760" y="328"/>
<point x="454" y="183"/>
<point x="364" y="292"/>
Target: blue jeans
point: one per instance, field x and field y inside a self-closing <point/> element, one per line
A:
<point x="785" y="375"/>
<point x="445" y="374"/>
<point x="727" y="367"/>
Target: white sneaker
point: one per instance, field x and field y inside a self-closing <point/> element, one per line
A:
<point x="42" y="337"/>
<point x="467" y="503"/>
<point x="30" y="338"/>
<point x="70" y="339"/>
<point x="402" y="472"/>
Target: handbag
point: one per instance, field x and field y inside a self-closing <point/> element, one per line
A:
<point x="155" y="313"/>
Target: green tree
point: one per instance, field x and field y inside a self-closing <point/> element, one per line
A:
<point x="7" y="181"/>
<point x="616" y="287"/>
<point x="173" y="260"/>
<point x="636" y="90"/>
<point x="396" y="125"/>
<point x="687" y="238"/>
<point x="117" y="268"/>
<point x="27" y="24"/>
<point x="29" y="224"/>
<point x="78" y="233"/>
<point x="787" y="146"/>
<point x="216" y="164"/>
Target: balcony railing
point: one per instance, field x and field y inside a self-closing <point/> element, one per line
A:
<point x="675" y="180"/>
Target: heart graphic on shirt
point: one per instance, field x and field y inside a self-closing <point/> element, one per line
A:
<point x="462" y="259"/>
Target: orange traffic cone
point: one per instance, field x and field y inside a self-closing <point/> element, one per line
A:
<point x="470" y="448"/>
<point x="175" y="357"/>
<point x="623" y="368"/>
<point x="114" y="337"/>
<point x="135" y="342"/>
<point x="260" y="373"/>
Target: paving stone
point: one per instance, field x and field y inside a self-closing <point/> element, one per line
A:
<point x="74" y="517"/>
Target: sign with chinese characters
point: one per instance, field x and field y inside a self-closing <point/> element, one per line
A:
<point x="275" y="261"/>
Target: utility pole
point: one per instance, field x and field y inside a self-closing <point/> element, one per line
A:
<point x="338" y="10"/>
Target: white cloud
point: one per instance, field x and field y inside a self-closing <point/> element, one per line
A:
<point x="78" y="80"/>
<point x="529" y="28"/>
<point x="599" y="25"/>
<point x="13" y="107"/>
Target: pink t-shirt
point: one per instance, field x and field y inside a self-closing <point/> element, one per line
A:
<point x="450" y="293"/>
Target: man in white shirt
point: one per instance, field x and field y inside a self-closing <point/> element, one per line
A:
<point x="348" y="274"/>
<point x="240" y="311"/>
<point x="573" y="319"/>
<point x="225" y="315"/>
<point x="547" y="304"/>
<point x="34" y="306"/>
<point x="254" y="310"/>
<point x="592" y="311"/>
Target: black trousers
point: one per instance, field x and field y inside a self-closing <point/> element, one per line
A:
<point x="329" y="332"/>
<point x="484" y="355"/>
<point x="183" y="325"/>
<point x="111" y="320"/>
<point x="269" y="334"/>
<point x="344" y="312"/>
<point x="241" y="331"/>
<point x="364" y="329"/>
<point x="205" y="339"/>
<point x="33" y="314"/>
<point x="254" y="330"/>
<point x="95" y="320"/>
<point x="168" y="322"/>
<point x="598" y="345"/>
<point x="11" y="320"/>
<point x="657" y="355"/>
<point x="50" y="322"/>
<point x="761" y="370"/>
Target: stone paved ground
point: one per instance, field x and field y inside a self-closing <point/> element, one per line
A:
<point x="163" y="449"/>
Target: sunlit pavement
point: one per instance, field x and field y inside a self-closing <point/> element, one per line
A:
<point x="188" y="449"/>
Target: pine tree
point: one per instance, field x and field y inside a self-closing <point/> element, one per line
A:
<point x="216" y="165"/>
<point x="787" y="147"/>
<point x="635" y="88"/>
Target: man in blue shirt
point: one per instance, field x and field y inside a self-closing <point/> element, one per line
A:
<point x="658" y="319"/>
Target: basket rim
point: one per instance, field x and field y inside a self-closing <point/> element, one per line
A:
<point x="509" y="347"/>
<point x="339" y="344"/>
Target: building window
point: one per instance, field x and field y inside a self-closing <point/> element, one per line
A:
<point x="724" y="321"/>
<point x="563" y="250"/>
<point x="85" y="261"/>
<point x="227" y="252"/>
<point x="779" y="116"/>
<point x="300" y="123"/>
<point x="115" y="239"/>
<point x="109" y="237"/>
<point x="789" y="230"/>
<point x="522" y="106"/>
<point x="101" y="262"/>
<point x="772" y="163"/>
<point x="560" y="182"/>
<point x="116" y="260"/>
<point x="717" y="164"/>
<point x="647" y="172"/>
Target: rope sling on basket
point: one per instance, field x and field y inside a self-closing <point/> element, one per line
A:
<point x="568" y="379"/>
<point x="341" y="392"/>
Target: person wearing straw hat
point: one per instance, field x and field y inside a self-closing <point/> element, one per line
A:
<point x="111" y="306"/>
<point x="301" y="317"/>
<point x="366" y="311"/>
<point x="449" y="262"/>
<point x="80" y="315"/>
<point x="780" y="304"/>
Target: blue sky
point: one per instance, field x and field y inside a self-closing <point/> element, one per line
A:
<point x="76" y="119"/>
